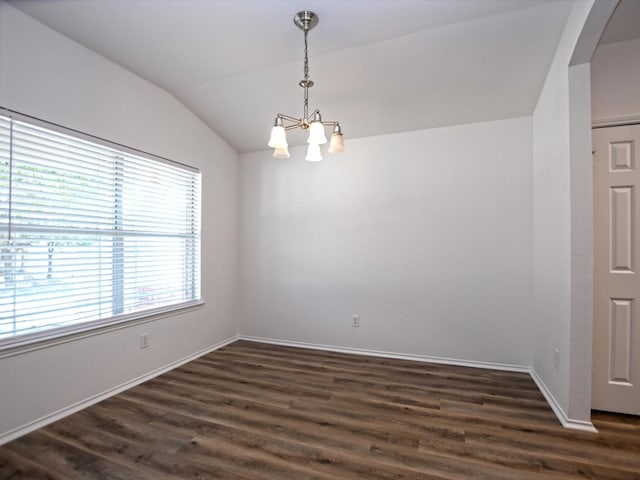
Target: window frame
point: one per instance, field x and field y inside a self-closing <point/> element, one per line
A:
<point x="65" y="333"/>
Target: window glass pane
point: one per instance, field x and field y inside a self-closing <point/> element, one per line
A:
<point x="5" y="131"/>
<point x="54" y="280"/>
<point x="58" y="181"/>
<point x="156" y="273"/>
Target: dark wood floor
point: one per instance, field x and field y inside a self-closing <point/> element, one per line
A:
<point x="254" y="411"/>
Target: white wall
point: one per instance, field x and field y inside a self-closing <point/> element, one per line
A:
<point x="615" y="70"/>
<point x="581" y="322"/>
<point x="46" y="75"/>
<point x="560" y="198"/>
<point x="426" y="235"/>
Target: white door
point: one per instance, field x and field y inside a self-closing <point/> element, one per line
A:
<point x="616" y="331"/>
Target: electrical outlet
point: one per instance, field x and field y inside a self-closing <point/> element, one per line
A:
<point x="556" y="358"/>
<point x="355" y="320"/>
<point x="144" y="340"/>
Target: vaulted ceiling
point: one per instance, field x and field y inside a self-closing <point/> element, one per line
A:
<point x="379" y="66"/>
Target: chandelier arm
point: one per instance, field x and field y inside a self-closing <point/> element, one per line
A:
<point x="289" y="118"/>
<point x="309" y="118"/>
<point x="329" y="124"/>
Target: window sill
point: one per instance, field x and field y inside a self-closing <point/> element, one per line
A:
<point x="18" y="346"/>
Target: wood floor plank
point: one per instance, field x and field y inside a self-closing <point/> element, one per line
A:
<point x="15" y="467"/>
<point x="253" y="411"/>
<point x="67" y="461"/>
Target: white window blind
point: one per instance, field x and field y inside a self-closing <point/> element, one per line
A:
<point x="90" y="234"/>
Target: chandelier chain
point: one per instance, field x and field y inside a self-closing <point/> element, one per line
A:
<point x="305" y="111"/>
<point x="306" y="57"/>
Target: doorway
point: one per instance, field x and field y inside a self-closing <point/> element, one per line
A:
<point x="616" y="314"/>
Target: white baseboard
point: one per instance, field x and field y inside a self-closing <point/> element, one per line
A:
<point x="555" y="406"/>
<point x="557" y="409"/>
<point x="76" y="407"/>
<point x="385" y="354"/>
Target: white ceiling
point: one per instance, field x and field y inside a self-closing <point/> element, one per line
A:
<point x="379" y="66"/>
<point x="624" y="24"/>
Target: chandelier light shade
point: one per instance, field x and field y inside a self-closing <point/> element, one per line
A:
<point x="313" y="153"/>
<point x="281" y="152"/>
<point x="337" y="143"/>
<point x="305" y="21"/>
<point x="278" y="137"/>
<point x="316" y="133"/>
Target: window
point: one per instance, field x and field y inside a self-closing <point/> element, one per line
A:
<point x="90" y="234"/>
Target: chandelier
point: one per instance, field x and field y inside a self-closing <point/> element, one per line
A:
<point x="305" y="21"/>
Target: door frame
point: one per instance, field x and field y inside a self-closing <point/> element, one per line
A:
<point x="597" y="125"/>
